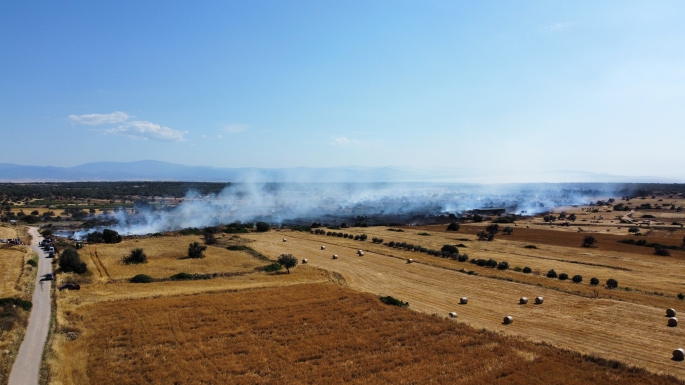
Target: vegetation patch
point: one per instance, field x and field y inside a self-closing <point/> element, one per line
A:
<point x="142" y="278"/>
<point x="394" y="301"/>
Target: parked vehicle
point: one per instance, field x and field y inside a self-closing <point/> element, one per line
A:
<point x="49" y="277"/>
<point x="69" y="286"/>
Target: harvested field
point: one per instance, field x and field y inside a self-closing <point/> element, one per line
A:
<point x="306" y="334"/>
<point x="603" y="327"/>
<point x="166" y="256"/>
<point x="7" y="232"/>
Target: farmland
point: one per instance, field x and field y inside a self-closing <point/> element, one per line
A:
<point x="16" y="281"/>
<point x="316" y="333"/>
<point x="245" y="313"/>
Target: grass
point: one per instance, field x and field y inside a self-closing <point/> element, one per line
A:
<point x="335" y="336"/>
<point x="165" y="256"/>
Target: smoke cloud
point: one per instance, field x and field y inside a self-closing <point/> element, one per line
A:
<point x="379" y="203"/>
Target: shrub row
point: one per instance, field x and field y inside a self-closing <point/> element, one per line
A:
<point x="26" y="305"/>
<point x="361" y="237"/>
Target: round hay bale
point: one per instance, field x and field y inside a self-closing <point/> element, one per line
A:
<point x="539" y="300"/>
<point x="304" y="261"/>
<point x="335" y="256"/>
<point x="672" y="322"/>
<point x="679" y="354"/>
<point x="670" y="312"/>
<point x="285" y="240"/>
<point x="323" y="247"/>
<point x="523" y="300"/>
<point x="360" y="253"/>
<point x="453" y="315"/>
<point x="410" y="260"/>
<point x="463" y="300"/>
<point x="508" y="319"/>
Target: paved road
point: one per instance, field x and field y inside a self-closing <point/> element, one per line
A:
<point x="27" y="365"/>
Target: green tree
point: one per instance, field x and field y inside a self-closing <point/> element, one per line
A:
<point x="589" y="240"/>
<point x="453" y="226"/>
<point x="135" y="257"/>
<point x="287" y="261"/>
<point x="70" y="261"/>
<point x="196" y="250"/>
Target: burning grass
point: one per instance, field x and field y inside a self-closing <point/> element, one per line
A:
<point x="306" y="334"/>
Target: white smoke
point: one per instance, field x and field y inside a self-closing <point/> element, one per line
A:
<point x="327" y="202"/>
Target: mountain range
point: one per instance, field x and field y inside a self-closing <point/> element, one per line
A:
<point x="152" y="170"/>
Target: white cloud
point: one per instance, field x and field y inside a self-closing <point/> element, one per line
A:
<point x="557" y="26"/>
<point x="95" y="119"/>
<point x="147" y="130"/>
<point x="236" y="128"/>
<point x="220" y="136"/>
<point x="344" y="141"/>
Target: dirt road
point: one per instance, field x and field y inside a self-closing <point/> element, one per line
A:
<point x="27" y="365"/>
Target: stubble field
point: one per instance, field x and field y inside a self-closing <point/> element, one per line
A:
<point x="632" y="330"/>
<point x="311" y="334"/>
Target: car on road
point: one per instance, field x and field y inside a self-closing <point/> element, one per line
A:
<point x="49" y="277"/>
<point x="51" y="255"/>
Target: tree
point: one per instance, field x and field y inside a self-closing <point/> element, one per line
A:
<point x="450" y="249"/>
<point x="563" y="276"/>
<point x="492" y="229"/>
<point x="70" y="261"/>
<point x="110" y="236"/>
<point x="594" y="281"/>
<point x="287" y="261"/>
<point x="551" y="274"/>
<point x="210" y="239"/>
<point x="195" y="250"/>
<point x="662" y="251"/>
<point x="454" y="226"/>
<point x="95" y="237"/>
<point x="135" y="257"/>
<point x="508" y="230"/>
<point x="577" y="278"/>
<point x="588" y="241"/>
<point x="263" y="227"/>
<point x="612" y="283"/>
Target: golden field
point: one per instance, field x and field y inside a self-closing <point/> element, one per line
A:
<point x="17" y="281"/>
<point x="166" y="256"/>
<point x="316" y="333"/>
<point x="632" y="332"/>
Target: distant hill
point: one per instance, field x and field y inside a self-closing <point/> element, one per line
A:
<point x="152" y="170"/>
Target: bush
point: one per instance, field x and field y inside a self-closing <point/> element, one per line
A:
<point x="518" y="269"/>
<point x="681" y="296"/>
<point x="70" y="261"/>
<point x="287" y="261"/>
<point x="577" y="278"/>
<point x="394" y="301"/>
<point x="95" y="237"/>
<point x="563" y="276"/>
<point x="263" y="227"/>
<point x="662" y="251"/>
<point x="634" y="230"/>
<point x="32" y="262"/>
<point x="594" y="281"/>
<point x="552" y="274"/>
<point x="238" y="248"/>
<point x="463" y="258"/>
<point x="110" y="236"/>
<point x="612" y="283"/>
<point x="137" y="256"/>
<point x="141" y="278"/>
<point x="450" y="249"/>
<point x="25" y="305"/>
<point x="196" y="250"/>
<point x="273" y="267"/>
<point x="503" y="265"/>
<point x="210" y="239"/>
<point x="492" y="229"/>
<point x="453" y="226"/>
<point x="182" y="277"/>
<point x="530" y="247"/>
<point x="589" y="240"/>
<point x="508" y="230"/>
<point x="527" y="270"/>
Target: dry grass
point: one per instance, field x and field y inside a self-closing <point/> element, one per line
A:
<point x="166" y="256"/>
<point x="602" y="327"/>
<point x="16" y="280"/>
<point x="306" y="334"/>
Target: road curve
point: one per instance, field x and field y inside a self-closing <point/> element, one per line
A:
<point x="26" y="368"/>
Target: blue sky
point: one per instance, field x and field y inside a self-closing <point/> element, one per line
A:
<point x="535" y="86"/>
